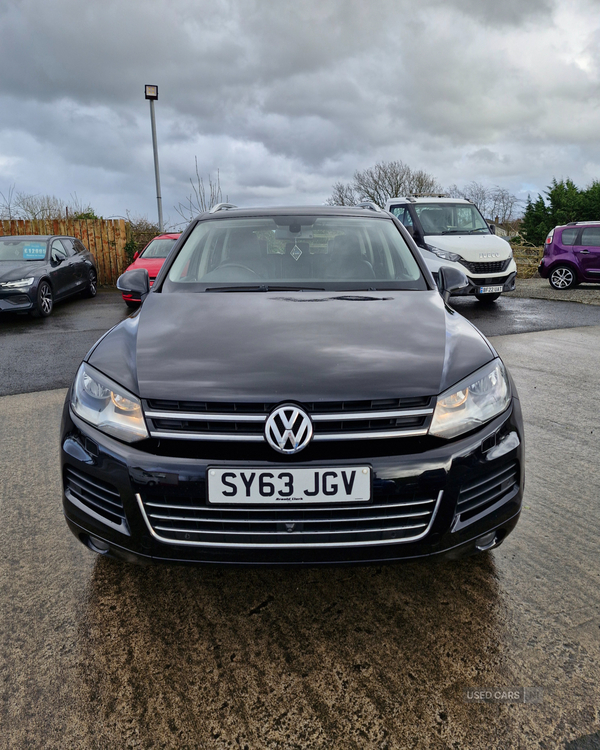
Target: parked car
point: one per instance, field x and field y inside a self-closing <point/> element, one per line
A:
<point x="452" y="232"/>
<point x="572" y="255"/>
<point x="294" y="389"/>
<point x="151" y="258"/>
<point x="38" y="270"/>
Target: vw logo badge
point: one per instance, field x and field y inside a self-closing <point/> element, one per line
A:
<point x="288" y="429"/>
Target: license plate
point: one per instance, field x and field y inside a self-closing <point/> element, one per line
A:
<point x="352" y="484"/>
<point x="490" y="289"/>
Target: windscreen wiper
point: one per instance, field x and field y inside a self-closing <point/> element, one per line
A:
<point x="239" y="288"/>
<point x="264" y="288"/>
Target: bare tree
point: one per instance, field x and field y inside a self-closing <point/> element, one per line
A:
<point x="198" y="201"/>
<point x="506" y="206"/>
<point x="16" y="205"/>
<point x="495" y="203"/>
<point x="343" y="195"/>
<point x="8" y="210"/>
<point x="31" y="206"/>
<point x="384" y="180"/>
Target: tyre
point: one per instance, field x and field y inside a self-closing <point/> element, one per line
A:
<point x="133" y="305"/>
<point x="44" y="302"/>
<point x="487" y="299"/>
<point x="92" y="288"/>
<point x="562" y="277"/>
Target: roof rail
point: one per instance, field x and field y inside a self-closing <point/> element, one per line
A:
<point x="428" y="195"/>
<point x="370" y="205"/>
<point x="221" y="207"/>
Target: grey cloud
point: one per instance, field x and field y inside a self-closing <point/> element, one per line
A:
<point x="287" y="98"/>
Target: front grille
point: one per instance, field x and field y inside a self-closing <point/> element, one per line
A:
<point x="400" y="516"/>
<point x="491" y="267"/>
<point x="338" y="420"/>
<point x="96" y="495"/>
<point x="481" y="492"/>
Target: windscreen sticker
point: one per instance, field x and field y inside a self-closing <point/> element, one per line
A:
<point x="34" y="251"/>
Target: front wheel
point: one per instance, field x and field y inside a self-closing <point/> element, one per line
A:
<point x="487" y="299"/>
<point x="92" y="287"/>
<point x="562" y="277"/>
<point x="44" y="302"/>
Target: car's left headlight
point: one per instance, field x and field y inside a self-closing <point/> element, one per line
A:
<point x="472" y="402"/>
<point x="19" y="283"/>
<point x="444" y="254"/>
<point x="107" y="406"/>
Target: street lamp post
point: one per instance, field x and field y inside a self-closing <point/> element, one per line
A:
<point x="151" y="93"/>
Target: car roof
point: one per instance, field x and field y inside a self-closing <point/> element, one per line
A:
<point x="167" y="236"/>
<point x="44" y="237"/>
<point x="431" y="199"/>
<point x="356" y="211"/>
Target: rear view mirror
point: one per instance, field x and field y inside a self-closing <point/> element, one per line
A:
<point x="450" y="280"/>
<point x="136" y="281"/>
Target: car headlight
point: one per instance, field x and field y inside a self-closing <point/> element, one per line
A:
<point x="472" y="402"/>
<point x="107" y="406"/>
<point x="444" y="254"/>
<point x="18" y="283"/>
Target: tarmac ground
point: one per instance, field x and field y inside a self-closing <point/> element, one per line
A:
<point x="101" y="654"/>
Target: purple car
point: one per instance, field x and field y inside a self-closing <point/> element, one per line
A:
<point x="572" y="255"/>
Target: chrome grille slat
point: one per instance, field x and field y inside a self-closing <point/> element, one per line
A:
<point x="258" y="438"/>
<point x="279" y="533"/>
<point x="320" y="417"/>
<point x="221" y="509"/>
<point x="289" y="520"/>
<point x="320" y="526"/>
<point x="332" y="421"/>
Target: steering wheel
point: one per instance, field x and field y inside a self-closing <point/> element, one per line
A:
<point x="237" y="265"/>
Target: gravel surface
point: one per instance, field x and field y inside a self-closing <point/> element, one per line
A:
<point x="538" y="288"/>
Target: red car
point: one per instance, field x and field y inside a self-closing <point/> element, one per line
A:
<point x="151" y="258"/>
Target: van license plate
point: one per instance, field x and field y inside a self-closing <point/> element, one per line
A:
<point x="352" y="484"/>
<point x="490" y="289"/>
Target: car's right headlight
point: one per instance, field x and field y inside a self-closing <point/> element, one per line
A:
<point x="472" y="402"/>
<point x="107" y="406"/>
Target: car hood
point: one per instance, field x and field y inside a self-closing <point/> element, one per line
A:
<point x="471" y="246"/>
<point x="297" y="346"/>
<point x="152" y="265"/>
<point x="18" y="269"/>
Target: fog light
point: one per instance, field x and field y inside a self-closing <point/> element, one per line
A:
<point x="99" y="546"/>
<point x="487" y="541"/>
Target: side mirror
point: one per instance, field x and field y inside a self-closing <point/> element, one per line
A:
<point x="450" y="280"/>
<point x="492" y="228"/>
<point x="57" y="257"/>
<point x="136" y="255"/>
<point x="135" y="281"/>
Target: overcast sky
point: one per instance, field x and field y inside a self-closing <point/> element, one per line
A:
<point x="287" y="97"/>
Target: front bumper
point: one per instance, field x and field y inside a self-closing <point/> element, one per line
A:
<point x="507" y="281"/>
<point x="16" y="300"/>
<point x="461" y="474"/>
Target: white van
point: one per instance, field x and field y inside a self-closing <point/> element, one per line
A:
<point x="452" y="232"/>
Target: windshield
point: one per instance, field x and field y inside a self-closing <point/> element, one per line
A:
<point x="451" y="218"/>
<point x="294" y="252"/>
<point x="158" y="248"/>
<point x="22" y="249"/>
